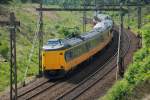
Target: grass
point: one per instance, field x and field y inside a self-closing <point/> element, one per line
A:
<point x="4" y="75"/>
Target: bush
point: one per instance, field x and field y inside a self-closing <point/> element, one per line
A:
<point x="68" y="31"/>
<point x="136" y="74"/>
<point x="141" y="54"/>
<point x="146" y="37"/>
<point x="119" y="91"/>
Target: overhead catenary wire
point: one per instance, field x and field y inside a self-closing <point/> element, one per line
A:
<point x="31" y="51"/>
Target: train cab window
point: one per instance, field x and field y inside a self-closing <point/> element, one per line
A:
<point x="68" y="55"/>
<point x="54" y="42"/>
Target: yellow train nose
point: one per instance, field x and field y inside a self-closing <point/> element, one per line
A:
<point x="52" y="60"/>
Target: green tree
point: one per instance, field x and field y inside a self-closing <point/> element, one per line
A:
<point x="4" y="1"/>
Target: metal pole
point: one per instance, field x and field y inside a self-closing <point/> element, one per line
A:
<point x="40" y="35"/>
<point x="120" y="68"/>
<point x="84" y="17"/>
<point x="96" y="8"/>
<point x="13" y="67"/>
<point x="139" y="22"/>
<point x="121" y="71"/>
<point x="128" y="14"/>
<point x="139" y="14"/>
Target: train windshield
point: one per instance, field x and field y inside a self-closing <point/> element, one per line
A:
<point x="53" y="43"/>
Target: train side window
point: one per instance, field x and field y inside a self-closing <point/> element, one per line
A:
<point x="87" y="46"/>
<point x="74" y="52"/>
<point x="94" y="42"/>
<point x="82" y="49"/>
<point x="77" y="50"/>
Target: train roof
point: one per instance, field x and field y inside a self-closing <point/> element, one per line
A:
<point x="103" y="17"/>
<point x="55" y="44"/>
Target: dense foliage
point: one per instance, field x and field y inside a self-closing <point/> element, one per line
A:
<point x="67" y="31"/>
<point x="137" y="73"/>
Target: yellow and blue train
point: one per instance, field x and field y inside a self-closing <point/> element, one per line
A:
<point x="62" y="55"/>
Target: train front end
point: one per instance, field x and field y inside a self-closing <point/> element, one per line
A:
<point x="53" y="57"/>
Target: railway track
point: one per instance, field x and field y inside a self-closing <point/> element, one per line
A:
<point x="41" y="86"/>
<point x="70" y="88"/>
<point x="72" y="92"/>
<point x="79" y="82"/>
<point x="37" y="89"/>
<point x="84" y="85"/>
